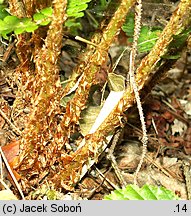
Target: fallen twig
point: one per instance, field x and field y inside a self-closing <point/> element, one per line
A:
<point x="11" y="174"/>
<point x="15" y="129"/>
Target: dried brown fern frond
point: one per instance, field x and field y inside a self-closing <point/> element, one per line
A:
<point x="95" y="58"/>
<point x="27" y="46"/>
<point x="76" y="165"/>
<point x="44" y="137"/>
<point x="41" y="140"/>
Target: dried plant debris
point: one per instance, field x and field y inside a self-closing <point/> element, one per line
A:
<point x="64" y="100"/>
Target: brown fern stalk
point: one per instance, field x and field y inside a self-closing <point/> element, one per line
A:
<point x="109" y="34"/>
<point x="17" y="8"/>
<point x="23" y="72"/>
<point x="26" y="49"/>
<point x="84" y="157"/>
<point x="31" y="6"/>
<point x="39" y="144"/>
<point x="95" y="59"/>
<point x="180" y="20"/>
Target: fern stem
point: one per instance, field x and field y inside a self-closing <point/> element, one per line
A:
<point x="83" y="157"/>
<point x="42" y="127"/>
<point x="17" y="8"/>
<point x="103" y="41"/>
<point x="96" y="57"/>
<point x="93" y="60"/>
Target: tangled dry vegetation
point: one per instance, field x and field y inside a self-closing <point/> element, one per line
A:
<point x="46" y="152"/>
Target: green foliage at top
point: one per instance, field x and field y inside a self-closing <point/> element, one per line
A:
<point x="8" y="23"/>
<point x="147" y="192"/>
<point x="3" y="12"/>
<point x="176" y="44"/>
<point x="148" y="35"/>
<point x="104" y="3"/>
<point x="75" y="10"/>
<point x="98" y="7"/>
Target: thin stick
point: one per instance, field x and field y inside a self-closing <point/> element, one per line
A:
<point x="119" y="58"/>
<point x="111" y="157"/>
<point x="133" y="53"/>
<point x="11" y="174"/>
<point x="187" y="173"/>
<point x="85" y="41"/>
<point x="158" y="166"/>
<point x="104" y="178"/>
<point x="16" y="130"/>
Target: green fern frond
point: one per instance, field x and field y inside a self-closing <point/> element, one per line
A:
<point x="148" y="35"/>
<point x="76" y="8"/>
<point x="8" y="23"/>
<point x="3" y="12"/>
<point x="147" y="192"/>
